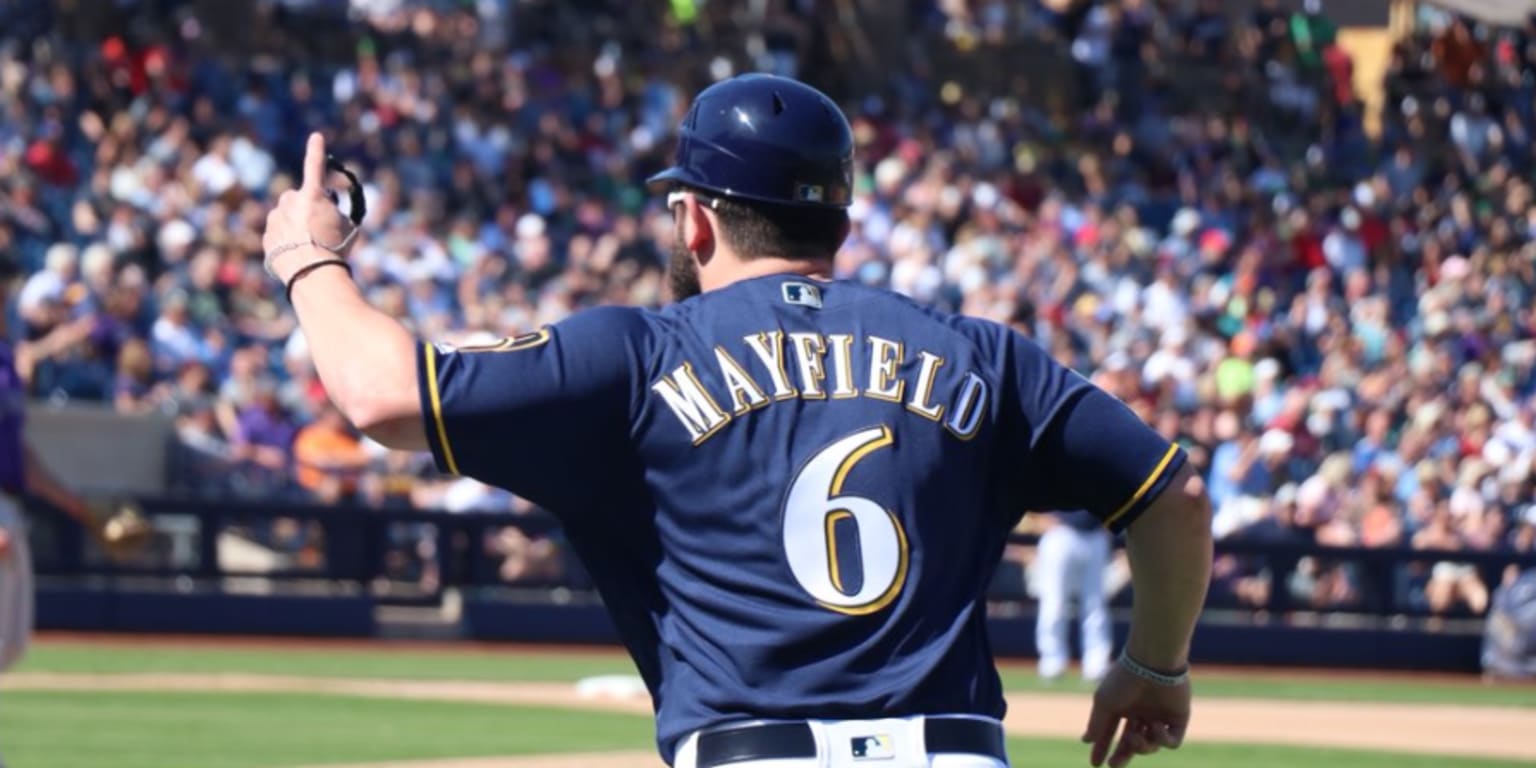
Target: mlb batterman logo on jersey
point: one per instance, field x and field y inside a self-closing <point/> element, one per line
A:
<point x="802" y="294"/>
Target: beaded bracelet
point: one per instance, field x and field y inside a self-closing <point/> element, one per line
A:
<point x="1152" y="675"/>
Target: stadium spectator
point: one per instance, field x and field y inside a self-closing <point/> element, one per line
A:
<point x="328" y="457"/>
<point x="1449" y="583"/>
<point x="134" y="390"/>
<point x="41" y="303"/>
<point x="262" y="439"/>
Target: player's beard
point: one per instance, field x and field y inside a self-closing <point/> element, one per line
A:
<point x="683" y="271"/>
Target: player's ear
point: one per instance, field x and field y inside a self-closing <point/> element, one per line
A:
<point x="698" y="228"/>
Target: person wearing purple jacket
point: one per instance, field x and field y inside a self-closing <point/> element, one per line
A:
<point x="263" y="438"/>
<point x="20" y="472"/>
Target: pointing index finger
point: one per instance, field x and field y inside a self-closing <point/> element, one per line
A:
<point x="314" y="164"/>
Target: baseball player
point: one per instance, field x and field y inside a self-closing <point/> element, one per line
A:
<point x="790" y="491"/>
<point x="21" y="470"/>
<point x="1070" y="562"/>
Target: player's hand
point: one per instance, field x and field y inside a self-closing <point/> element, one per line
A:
<point x="1155" y="717"/>
<point x="5" y="545"/>
<point x="304" y="216"/>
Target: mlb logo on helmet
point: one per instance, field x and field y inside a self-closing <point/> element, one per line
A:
<point x="810" y="193"/>
<point x="879" y="747"/>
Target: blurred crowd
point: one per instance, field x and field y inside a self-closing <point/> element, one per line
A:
<point x="1183" y="204"/>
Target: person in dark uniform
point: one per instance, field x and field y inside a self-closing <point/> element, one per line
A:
<point x="790" y="491"/>
<point x="20" y="472"/>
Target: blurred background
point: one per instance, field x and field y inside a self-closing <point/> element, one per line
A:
<point x="1295" y="236"/>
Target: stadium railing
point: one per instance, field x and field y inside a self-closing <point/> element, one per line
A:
<point x="411" y="556"/>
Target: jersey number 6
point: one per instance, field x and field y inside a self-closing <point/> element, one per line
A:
<point x="814" y="517"/>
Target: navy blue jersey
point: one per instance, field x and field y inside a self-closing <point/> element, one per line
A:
<point x="791" y="493"/>
<point x="1081" y="519"/>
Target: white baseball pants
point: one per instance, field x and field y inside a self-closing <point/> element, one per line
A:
<point x="1071" y="562"/>
<point x="15" y="586"/>
<point x="905" y="735"/>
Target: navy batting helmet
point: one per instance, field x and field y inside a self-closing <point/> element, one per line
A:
<point x="765" y="138"/>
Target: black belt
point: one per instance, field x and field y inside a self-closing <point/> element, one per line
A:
<point x="791" y="741"/>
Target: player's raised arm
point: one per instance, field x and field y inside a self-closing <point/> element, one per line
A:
<point x="366" y="359"/>
<point x="1087" y="450"/>
<point x="528" y="414"/>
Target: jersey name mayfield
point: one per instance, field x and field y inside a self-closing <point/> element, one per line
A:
<point x="778" y="366"/>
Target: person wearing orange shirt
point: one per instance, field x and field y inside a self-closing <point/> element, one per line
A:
<point x="328" y="456"/>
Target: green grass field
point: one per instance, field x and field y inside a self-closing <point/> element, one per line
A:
<point x="118" y="729"/>
<point x="131" y="729"/>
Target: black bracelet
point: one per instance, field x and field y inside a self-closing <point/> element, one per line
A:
<point x="310" y="267"/>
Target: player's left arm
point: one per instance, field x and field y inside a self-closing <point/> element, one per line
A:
<point x="121" y="529"/>
<point x="1086" y="449"/>
<point x="40" y="481"/>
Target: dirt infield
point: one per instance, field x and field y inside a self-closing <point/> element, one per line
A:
<point x="491" y="649"/>
<point x="581" y="760"/>
<point x="1449" y="730"/>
